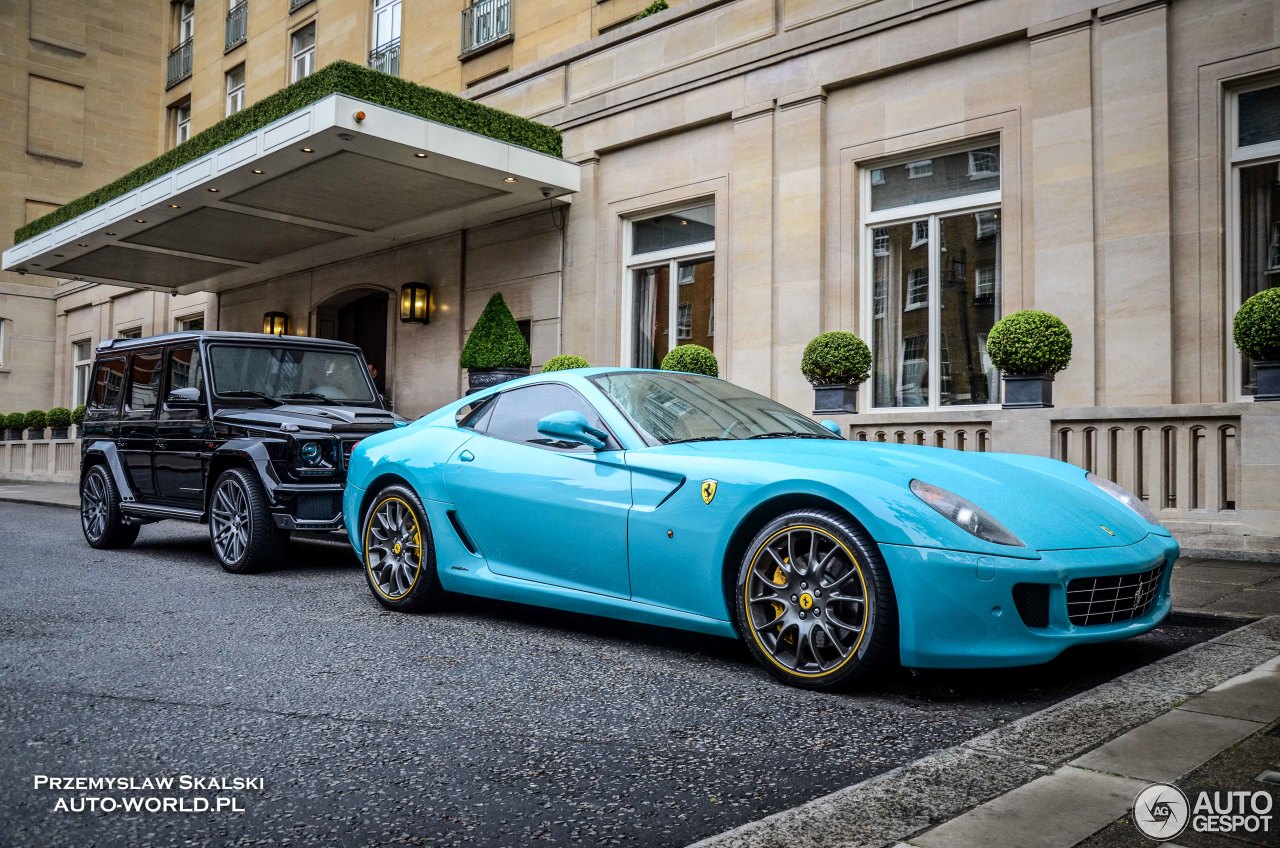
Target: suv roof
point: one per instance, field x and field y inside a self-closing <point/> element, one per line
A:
<point x="218" y="335"/>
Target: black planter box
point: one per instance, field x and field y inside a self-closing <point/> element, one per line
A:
<point x="479" y="379"/>
<point x="58" y="432"/>
<point x="1268" y="380"/>
<point x="13" y="435"/>
<point x="1028" y="391"/>
<point x="834" y="400"/>
<point x="35" y="435"/>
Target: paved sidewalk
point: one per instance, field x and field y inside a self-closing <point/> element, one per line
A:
<point x="50" y="494"/>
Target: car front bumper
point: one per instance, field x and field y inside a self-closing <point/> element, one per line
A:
<point x="957" y="610"/>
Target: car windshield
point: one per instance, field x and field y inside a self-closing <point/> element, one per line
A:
<point x="289" y="373"/>
<point x="668" y="408"/>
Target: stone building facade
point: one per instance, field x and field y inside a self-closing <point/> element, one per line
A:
<point x="755" y="172"/>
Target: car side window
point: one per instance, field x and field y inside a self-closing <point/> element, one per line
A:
<point x="515" y="415"/>
<point x="108" y="385"/>
<point x="476" y="416"/>
<point x="144" y="384"/>
<point x="184" y="369"/>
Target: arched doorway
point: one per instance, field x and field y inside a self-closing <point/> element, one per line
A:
<point x="358" y="316"/>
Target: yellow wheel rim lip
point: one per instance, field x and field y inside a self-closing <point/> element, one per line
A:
<point x="866" y="607"/>
<point x="417" y="536"/>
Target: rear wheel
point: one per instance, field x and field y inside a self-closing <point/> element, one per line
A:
<point x="103" y="523"/>
<point x="245" y="538"/>
<point x="814" y="601"/>
<point x="399" y="553"/>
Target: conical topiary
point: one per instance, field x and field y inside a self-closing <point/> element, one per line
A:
<point x="495" y="341"/>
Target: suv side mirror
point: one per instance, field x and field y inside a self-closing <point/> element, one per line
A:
<point x="186" y="397"/>
<point x="570" y="426"/>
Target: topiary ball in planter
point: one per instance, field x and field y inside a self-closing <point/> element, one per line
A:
<point x="1256" y="331"/>
<point x="835" y="363"/>
<point x="495" y="350"/>
<point x="14" y="424"/>
<point x="564" y="362"/>
<point x="691" y="359"/>
<point x="1029" y="347"/>
<point x="77" y="415"/>
<point x="59" y="421"/>
<point x="36" y="421"/>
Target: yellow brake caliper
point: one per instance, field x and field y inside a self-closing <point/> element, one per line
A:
<point x="780" y="580"/>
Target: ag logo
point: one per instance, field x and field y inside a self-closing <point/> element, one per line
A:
<point x="1161" y="811"/>
<point x="708" y="491"/>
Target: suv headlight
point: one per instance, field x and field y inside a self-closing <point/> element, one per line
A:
<point x="965" y="514"/>
<point x="316" y="455"/>
<point x="1125" y="497"/>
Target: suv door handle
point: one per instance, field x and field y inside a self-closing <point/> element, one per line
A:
<point x="466" y="456"/>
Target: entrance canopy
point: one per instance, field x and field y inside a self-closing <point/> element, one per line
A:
<point x="338" y="178"/>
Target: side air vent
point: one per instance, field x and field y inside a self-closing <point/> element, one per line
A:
<point x="462" y="534"/>
<point x="1032" y="601"/>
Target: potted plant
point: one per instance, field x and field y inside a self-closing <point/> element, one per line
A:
<point x="59" y="421"/>
<point x="1257" y="333"/>
<point x="36" y="420"/>
<point x="14" y="423"/>
<point x="691" y="359"/>
<point x="564" y="362"/>
<point x="835" y="363"/>
<point x="1029" y="347"/>
<point x="77" y="417"/>
<point x="495" y="350"/>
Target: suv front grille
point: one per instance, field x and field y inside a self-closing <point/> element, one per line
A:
<point x="320" y="506"/>
<point x="348" y="445"/>
<point x="1106" y="600"/>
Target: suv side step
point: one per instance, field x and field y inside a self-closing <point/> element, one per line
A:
<point x="157" y="511"/>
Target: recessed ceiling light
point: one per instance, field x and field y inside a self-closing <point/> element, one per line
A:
<point x="214" y="190"/>
<point x="174" y="206"/>
<point x="509" y="180"/>
<point x="421" y="155"/>
<point x="139" y="220"/>
<point x="307" y="150"/>
<point x="81" y="244"/>
<point x="108" y="234"/>
<point x="257" y="170"/>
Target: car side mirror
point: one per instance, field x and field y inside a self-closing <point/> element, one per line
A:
<point x="186" y="397"/>
<point x="832" y="426"/>
<point x="570" y="426"/>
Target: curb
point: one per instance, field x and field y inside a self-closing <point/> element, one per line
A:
<point x="899" y="804"/>
<point x="30" y="502"/>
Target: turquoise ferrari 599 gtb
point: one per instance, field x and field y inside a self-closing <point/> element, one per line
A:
<point x="685" y="501"/>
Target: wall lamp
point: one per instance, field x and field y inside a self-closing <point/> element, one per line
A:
<point x="415" y="303"/>
<point x="275" y="324"/>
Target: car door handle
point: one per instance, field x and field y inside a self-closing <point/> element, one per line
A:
<point x="466" y="456"/>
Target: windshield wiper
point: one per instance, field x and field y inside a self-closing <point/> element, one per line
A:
<point x="790" y="435"/>
<point x="247" y="393"/>
<point x="311" y="396"/>
<point x="697" y="439"/>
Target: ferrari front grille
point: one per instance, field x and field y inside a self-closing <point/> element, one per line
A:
<point x="1118" y="597"/>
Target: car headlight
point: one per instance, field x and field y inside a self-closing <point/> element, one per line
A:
<point x="311" y="454"/>
<point x="965" y="514"/>
<point x="1125" y="497"/>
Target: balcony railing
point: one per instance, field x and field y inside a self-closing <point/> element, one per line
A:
<point x="238" y="25"/>
<point x="295" y="5"/>
<point x="484" y="22"/>
<point x="386" y="58"/>
<point x="179" y="67"/>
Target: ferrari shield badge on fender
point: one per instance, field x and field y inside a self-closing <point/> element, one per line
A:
<point x="708" y="491"/>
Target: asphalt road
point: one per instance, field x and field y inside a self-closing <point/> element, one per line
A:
<point x="490" y="724"/>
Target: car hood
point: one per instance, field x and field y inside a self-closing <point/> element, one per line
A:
<point x="1048" y="504"/>
<point x="314" y="418"/>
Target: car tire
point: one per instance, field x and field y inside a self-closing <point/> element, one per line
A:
<point x="245" y="539"/>
<point x="101" y="520"/>
<point x="398" y="552"/>
<point x="815" y="604"/>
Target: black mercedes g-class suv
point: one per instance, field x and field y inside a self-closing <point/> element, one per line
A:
<point x="250" y="433"/>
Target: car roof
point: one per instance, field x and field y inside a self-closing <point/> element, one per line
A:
<point x="219" y="335"/>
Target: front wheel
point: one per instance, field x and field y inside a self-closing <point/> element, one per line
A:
<point x="244" y="536"/>
<point x="399" y="553"/>
<point x="814" y="601"/>
<point x="103" y="523"/>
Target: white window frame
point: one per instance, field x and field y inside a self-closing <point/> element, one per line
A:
<point x="307" y="55"/>
<point x="186" y="22"/>
<point x="4" y="341"/>
<point x="391" y="10"/>
<point x="916" y="276"/>
<point x="919" y="236"/>
<point x="880" y="241"/>
<point x="919" y="168"/>
<point x="1237" y="159"/>
<point x="235" y="90"/>
<point x="180" y="321"/>
<point x="684" y="320"/>
<point x="131" y="332"/>
<point x="934" y="211"/>
<point x="979" y="160"/>
<point x="879" y="297"/>
<point x="81" y="370"/>
<point x="181" y="122"/>
<point x="981" y="287"/>
<point x="671" y="258"/>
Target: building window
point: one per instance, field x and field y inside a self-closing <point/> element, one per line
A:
<point x="179" y="63"/>
<point x="304" y="52"/>
<point x="984" y="163"/>
<point x="1254" y="216"/>
<point x="237" y="24"/>
<point x="235" y="89"/>
<point x="384" y="54"/>
<point x="130" y="333"/>
<point x="671" y="273"/>
<point x="923" y="168"/>
<point x="484" y="22"/>
<point x="932" y="281"/>
<point x="4" y="338"/>
<point x="186" y="21"/>
<point x="180" y="122"/>
<point x="189" y="323"/>
<point x="81" y="362"/>
<point x="877" y="176"/>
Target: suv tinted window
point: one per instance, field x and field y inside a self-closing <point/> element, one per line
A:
<point x="108" y="383"/>
<point x="515" y="414"/>
<point x="144" y="382"/>
<point x="184" y="369"/>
